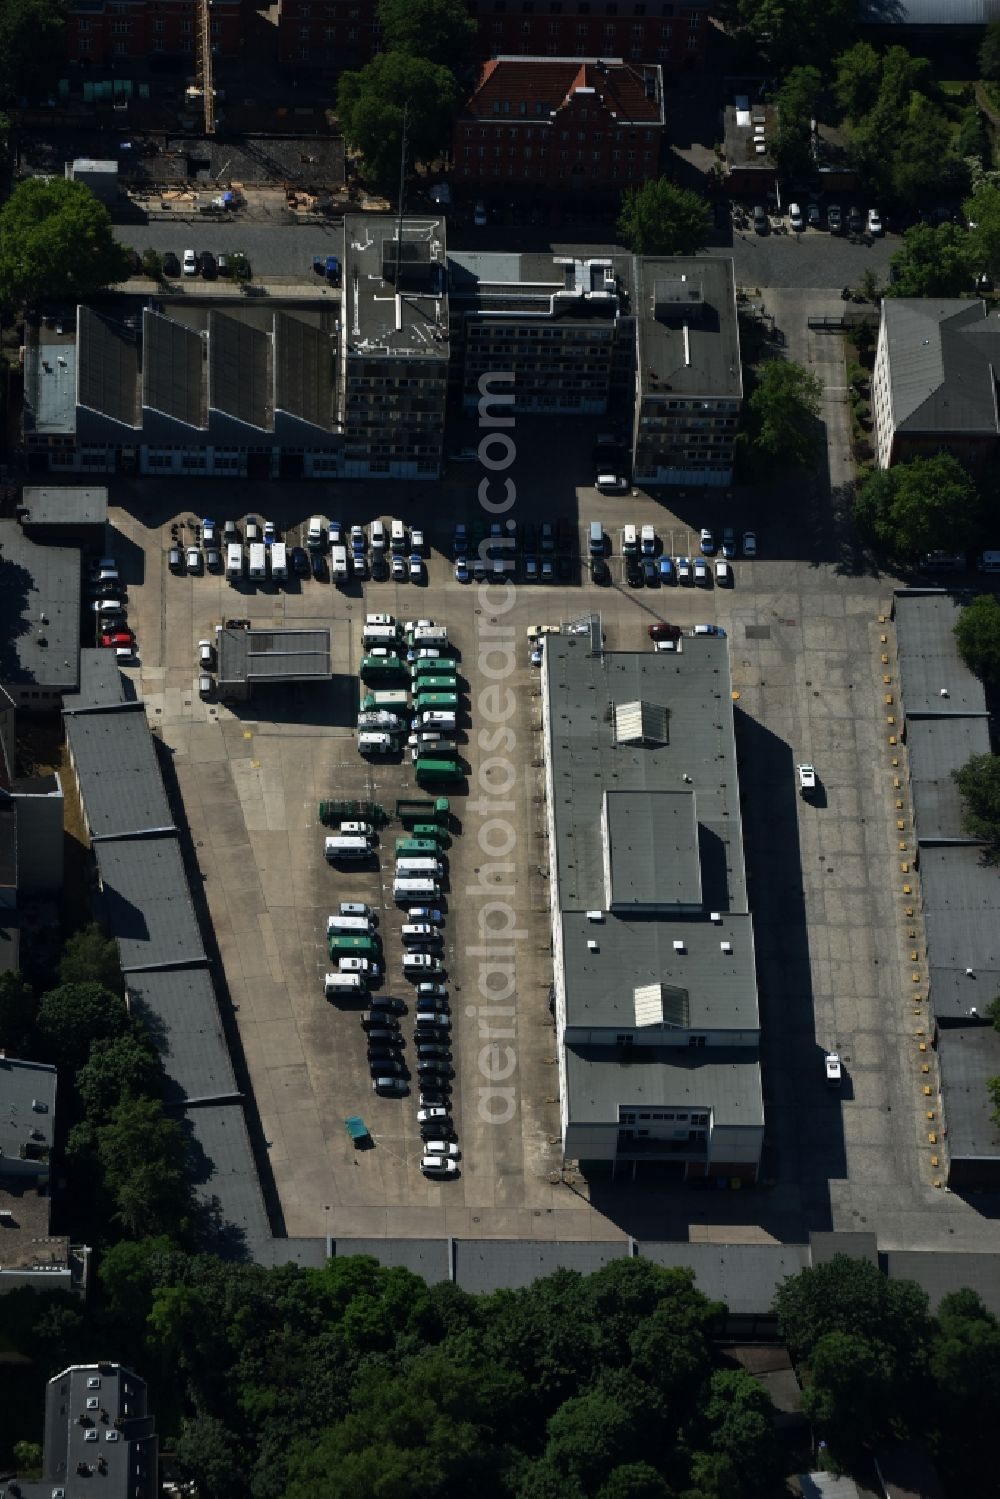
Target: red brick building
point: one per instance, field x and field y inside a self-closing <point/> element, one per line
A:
<point x="99" y="31"/>
<point x="336" y="34"/>
<point x="567" y="122"/>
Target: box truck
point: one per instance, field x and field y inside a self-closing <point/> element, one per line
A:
<point x="279" y="562"/>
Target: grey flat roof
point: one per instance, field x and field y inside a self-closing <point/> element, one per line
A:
<point x="744" y="1276"/>
<point x="309" y="1253"/>
<point x="180" y="1008"/>
<point x="49" y="386"/>
<point x="706" y="362"/>
<point x="929" y="659"/>
<point x="425" y="1257"/>
<point x="940" y="1273"/>
<point x="148" y="902"/>
<point x="22" y="1084"/>
<point x="121" y="786"/>
<point x="720" y="987"/>
<point x="969" y="1056"/>
<point x="227" y="1175"/>
<point x="273" y="655"/>
<point x="725" y="1081"/>
<point x="558" y="285"/>
<point x="173" y="370"/>
<point x="101" y="683"/>
<point x="482" y="1266"/>
<point x="934" y="747"/>
<point x="65" y="505"/>
<point x="376" y="320"/>
<point x="653" y="848"/>
<point x="943" y="355"/>
<point x="109" y="367"/>
<point x="123" y="1395"/>
<point x="961" y="908"/>
<point x="39" y="611"/>
<point x="240" y="372"/>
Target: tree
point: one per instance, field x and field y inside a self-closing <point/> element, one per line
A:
<point x="145" y="1158"/>
<point x="973" y="137"/>
<point x="935" y="261"/>
<point x="633" y="1481"/>
<point x="851" y="1390"/>
<point x="31" y="34"/>
<point x="926" y="505"/>
<point x="440" y="30"/>
<point x="993" y="1011"/>
<point x="989" y="51"/>
<point x="923" y="158"/>
<point x="784" y="409"/>
<point x="660" y="218"/>
<point x="993" y="1089"/>
<point x="978" y="782"/>
<point x="152" y="264"/>
<point x="28" y="1459"/>
<point x="4" y="131"/>
<point x="240" y="267"/>
<point x="370" y="105"/>
<point x="843" y="1295"/>
<point x="72" y="1016"/>
<point x="56" y="240"/>
<point x="788" y="33"/>
<point x="209" y="1455"/>
<point x="857" y="74"/>
<point x="983" y="213"/>
<point x="977" y="632"/>
<point x="17" y="1014"/>
<point x="88" y="956"/>
<point x="122" y="1066"/>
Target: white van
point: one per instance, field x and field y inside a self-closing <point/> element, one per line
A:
<point x="349" y="926"/>
<point x="314" y="535"/>
<point x="380" y="619"/>
<point x="355" y="830"/>
<point x="429" y="635"/>
<point x="409" y="889"/>
<point x="258" y="561"/>
<point x="648" y="539"/>
<point x="427" y="869"/>
<point x="347" y="849"/>
<point x="723" y="573"/>
<point x="989" y="562"/>
<point x="437" y="718"/>
<point x="421" y="962"/>
<point x="335" y="984"/>
<point x="398" y="537"/>
<point x="379" y="635"/>
<point x="375" y="742"/>
<point x="234" y="560"/>
<point x="279" y="562"/>
<point x="379" y="718"/>
<point x="630" y="541"/>
<point x="378" y="535"/>
<point x="596" y="539"/>
<point x="338" y="564"/>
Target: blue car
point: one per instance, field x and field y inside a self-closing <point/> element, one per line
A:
<point x="667" y="574"/>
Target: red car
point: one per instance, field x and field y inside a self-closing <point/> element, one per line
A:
<point x="662" y="631"/>
<point x="118" y="637"/>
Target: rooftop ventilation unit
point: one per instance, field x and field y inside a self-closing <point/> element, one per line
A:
<point x="726" y="946"/>
<point x="717" y="917"/>
<point x="591" y="945"/>
<point x="679" y="947"/>
<point x="595" y="915"/>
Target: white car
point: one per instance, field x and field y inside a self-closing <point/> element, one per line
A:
<point x="189" y="264"/>
<point x="438" y="1165"/>
<point x="417" y="540"/>
<point x="193" y="560"/>
<point x="749" y="543"/>
<point x="428" y="1115"/>
<point x="206" y="653"/>
<point x="683" y="569"/>
<point x="419" y="931"/>
<point x="834" y="1073"/>
<point x="417" y="624"/>
<point x="706" y="541"/>
<point x="399" y="568"/>
<point x="381" y="621"/>
<point x="441" y="1147"/>
<point x="416" y="568"/>
<point x="268" y="532"/>
<point x="701" y="572"/>
<point x="807" y="779"/>
<point x="795" y="220"/>
<point x="874" y="221"/>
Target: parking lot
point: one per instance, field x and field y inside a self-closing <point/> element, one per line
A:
<point x="803" y="628"/>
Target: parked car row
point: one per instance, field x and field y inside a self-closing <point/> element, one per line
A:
<point x="203" y="263"/>
<point x="109" y="605"/>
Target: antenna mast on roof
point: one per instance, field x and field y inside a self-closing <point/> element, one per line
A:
<point x="402" y="191"/>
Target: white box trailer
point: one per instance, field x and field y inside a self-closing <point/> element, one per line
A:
<point x="258" y="561"/>
<point x="338" y="564"/>
<point x="234" y="561"/>
<point x="279" y="562"/>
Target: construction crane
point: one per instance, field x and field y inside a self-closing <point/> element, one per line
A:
<point x="205" y="65"/>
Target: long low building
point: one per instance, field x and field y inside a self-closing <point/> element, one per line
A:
<point x="654" y="972"/>
<point x="266" y="658"/>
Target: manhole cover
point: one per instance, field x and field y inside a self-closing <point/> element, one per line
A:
<point x="758" y="632"/>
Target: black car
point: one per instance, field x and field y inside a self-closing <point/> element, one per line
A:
<point x="230" y="532"/>
<point x="377" y="1018"/>
<point x="300" y="561"/>
<point x="318" y="564"/>
<point x="599" y="571"/>
<point x="633" y="574"/>
<point x="649" y="572"/>
<point x="565" y="568"/>
<point x="213" y="560"/>
<point x="437" y="1129"/>
<point x="386" y="1067"/>
<point x="171" y="265"/>
<point x="380" y="570"/>
<point x="435" y="1094"/>
<point x="387" y="1007"/>
<point x="435" y="1068"/>
<point x="206" y="265"/>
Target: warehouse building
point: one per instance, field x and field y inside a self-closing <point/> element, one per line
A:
<point x="655" y="981"/>
<point x="268" y="658"/>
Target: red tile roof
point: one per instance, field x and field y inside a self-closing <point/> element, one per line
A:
<point x="544" y="85"/>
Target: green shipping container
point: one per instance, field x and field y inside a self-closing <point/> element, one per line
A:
<point x="413" y="847"/>
<point x="440" y="668"/>
<point x="428" y="829"/>
<point x="352" y="947"/>
<point x="439" y="770"/>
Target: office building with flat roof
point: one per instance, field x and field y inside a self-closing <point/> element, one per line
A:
<point x="655" y="979"/>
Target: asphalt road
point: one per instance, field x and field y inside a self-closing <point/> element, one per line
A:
<point x="814" y="258"/>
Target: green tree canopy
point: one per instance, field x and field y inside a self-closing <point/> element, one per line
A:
<point x="977" y="632"/>
<point x="17" y="1014"/>
<point x="927" y="505"/>
<point x="56" y="241"/>
<point x="660" y="218"/>
<point x="798" y="101"/>
<point x="978" y="782"/>
<point x="88" y="956"/>
<point x="784" y="409"/>
<point x="989" y="51"/>
<point x="211" y="1457"/>
<point x="935" y="261"/>
<point x="146" y="1162"/>
<point x="792" y="34"/>
<point x="983" y="213"/>
<point x="72" y="1016"/>
<point x="118" y="1067"/>
<point x="857" y="75"/>
<point x="843" y="1295"/>
<point x="442" y="31"/>
<point x="370" y="104"/>
<point x="851" y="1392"/>
<point x="31" y="34"/>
